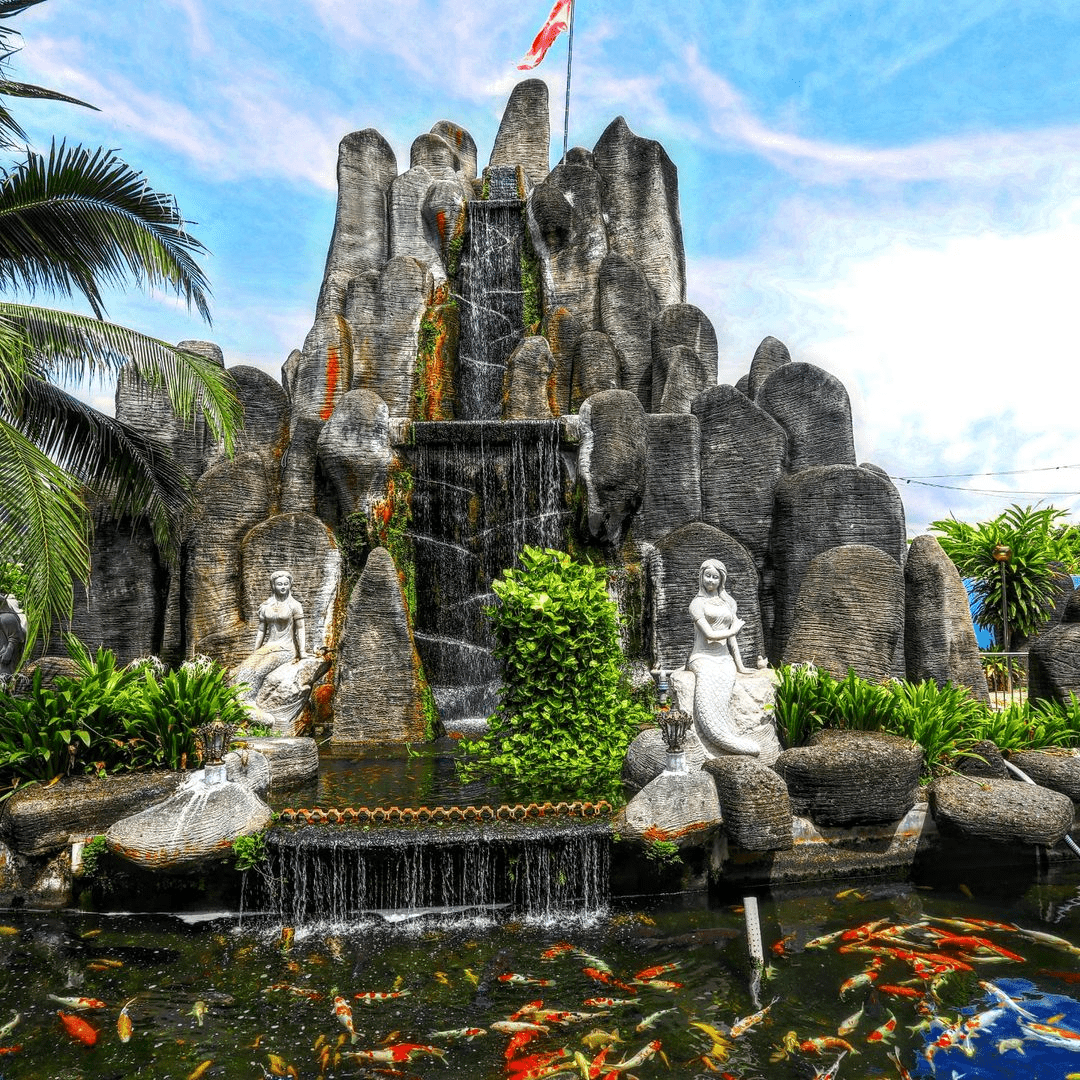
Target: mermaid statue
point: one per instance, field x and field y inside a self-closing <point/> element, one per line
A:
<point x="715" y="659"/>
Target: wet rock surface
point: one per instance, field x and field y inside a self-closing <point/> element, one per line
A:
<point x="1004" y="811"/>
<point x="754" y="803"/>
<point x="1058" y="770"/>
<point x="675" y="808"/>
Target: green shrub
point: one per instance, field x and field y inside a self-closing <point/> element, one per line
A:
<point x="93" y="849"/>
<point x="566" y="715"/>
<point x="943" y="720"/>
<point x="249" y="851"/>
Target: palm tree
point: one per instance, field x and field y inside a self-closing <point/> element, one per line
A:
<point x="74" y="222"/>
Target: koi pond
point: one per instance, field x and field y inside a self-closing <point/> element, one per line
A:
<point x="953" y="978"/>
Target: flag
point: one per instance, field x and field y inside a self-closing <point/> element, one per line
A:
<point x="557" y="22"/>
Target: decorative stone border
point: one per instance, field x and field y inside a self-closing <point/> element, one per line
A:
<point x="422" y="815"/>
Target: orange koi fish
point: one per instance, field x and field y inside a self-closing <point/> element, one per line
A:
<point x="17" y="1049"/>
<point x="863" y="978"/>
<point x="78" y="1029"/>
<point x="607" y="979"/>
<point x="607" y="1002"/>
<point x="77" y="1002"/>
<point x="861" y="933"/>
<point x="458" y="1033"/>
<point x="370" y="997"/>
<point x="517" y="1041"/>
<point x="651" y="972"/>
<point x="288" y="935"/>
<point x="556" y="950"/>
<point x="200" y="1070"/>
<point x="1052" y="1034"/>
<point x="824" y="1043"/>
<point x="524" y="980"/>
<point x="747" y="1022"/>
<point x="899" y="991"/>
<point x="883" y="1033"/>
<point x="779" y="948"/>
<point x="124" y="1026"/>
<point x="344" y="1014"/>
<point x="657" y="984"/>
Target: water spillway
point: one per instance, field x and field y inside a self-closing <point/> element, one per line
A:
<point x="481" y="492"/>
<point x="321" y="874"/>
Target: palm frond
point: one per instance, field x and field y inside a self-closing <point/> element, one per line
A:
<point x="68" y="347"/>
<point x="81" y="219"/>
<point x="134" y="475"/>
<point x="43" y="526"/>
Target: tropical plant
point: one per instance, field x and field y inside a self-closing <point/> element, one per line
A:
<point x="1040" y="547"/>
<point x="565" y="715"/>
<point x="73" y="222"/>
<point x="943" y="720"/>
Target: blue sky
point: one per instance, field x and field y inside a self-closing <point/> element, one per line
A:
<point x="891" y="188"/>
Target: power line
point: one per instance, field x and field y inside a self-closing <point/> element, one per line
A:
<point x="985" y="491"/>
<point x="1005" y="472"/>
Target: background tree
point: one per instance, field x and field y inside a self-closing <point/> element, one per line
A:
<point x="1042" y="548"/>
<point x="74" y="222"/>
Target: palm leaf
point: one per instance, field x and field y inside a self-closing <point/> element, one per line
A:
<point x="80" y="219"/>
<point x="68" y="347"/>
<point x="43" y="527"/>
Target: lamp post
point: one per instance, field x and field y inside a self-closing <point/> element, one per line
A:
<point x="1002" y="553"/>
<point x="674" y="725"/>
<point x="213" y="740"/>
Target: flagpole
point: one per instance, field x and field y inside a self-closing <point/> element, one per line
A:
<point x="569" y="61"/>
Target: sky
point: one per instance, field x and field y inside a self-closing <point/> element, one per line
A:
<point x="890" y="188"/>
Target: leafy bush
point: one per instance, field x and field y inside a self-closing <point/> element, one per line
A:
<point x="249" y="851"/>
<point x="566" y="715"/>
<point x="808" y="699"/>
<point x="943" y="720"/>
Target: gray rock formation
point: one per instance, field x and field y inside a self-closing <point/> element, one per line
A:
<point x="266" y="411"/>
<point x="461" y="144"/>
<point x="983" y="759"/>
<point x="611" y="461"/>
<point x="939" y="639"/>
<point x="770" y="355"/>
<point x="291" y="761"/>
<point x="1054" y="659"/>
<point x="846" y="778"/>
<point x="673" y="583"/>
<point x="742" y="458"/>
<point x="627" y="308"/>
<point x="1003" y="811"/>
<point x="672" y="495"/>
<point x="641" y="199"/>
<point x="446" y="216"/>
<point x="812" y="406"/>
<point x="676" y="808"/>
<point x="754" y="803"/>
<point x="685" y="357"/>
<point x="212" y="579"/>
<point x="849" y="613"/>
<point x="524" y="136"/>
<point x="38" y="819"/>
<point x="646" y="757"/>
<point x="821" y="508"/>
<point x="596" y="367"/>
<point x="354" y="451"/>
<point x="377" y="678"/>
<point x="410" y="233"/>
<point x="526" y="382"/>
<point x="1058" y="770"/>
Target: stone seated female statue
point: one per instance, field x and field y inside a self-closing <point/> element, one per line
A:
<point x="280" y="672"/>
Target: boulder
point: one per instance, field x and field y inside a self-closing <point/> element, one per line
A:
<point x="1058" y="770"/>
<point x="673" y="582"/>
<point x="983" y="759"/>
<point x="612" y="461"/>
<point x="378" y="690"/>
<point x="1054" y="659"/>
<point x="679" y="375"/>
<point x="821" y="508"/>
<point x="646" y="757"/>
<point x="680" y="808"/>
<point x="292" y="761"/>
<point x="526" y="394"/>
<point x="524" y="135"/>
<point x="812" y="406"/>
<point x="846" y="778"/>
<point x="1005" y="811"/>
<point x="641" y="199"/>
<point x="1062" y="592"/>
<point x="195" y="825"/>
<point x="627" y="308"/>
<point x="769" y="356"/>
<point x="248" y="767"/>
<point x="434" y="155"/>
<point x="672" y="496"/>
<point x="850" y="614"/>
<point x="462" y="145"/>
<point x="754" y="803"/>
<point x="410" y="233"/>
<point x="354" y="451"/>
<point x="939" y="639"/>
<point x="446" y="216"/>
<point x="266" y="411"/>
<point x="596" y="367"/>
<point x="36" y="820"/>
<point x="742" y="458"/>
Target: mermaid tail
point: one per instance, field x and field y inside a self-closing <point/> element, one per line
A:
<point x="713" y="684"/>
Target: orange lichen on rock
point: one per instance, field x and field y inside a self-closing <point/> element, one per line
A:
<point x="333" y="375"/>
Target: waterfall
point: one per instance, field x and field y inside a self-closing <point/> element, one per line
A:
<point x="481" y="492"/>
<point x="338" y="874"/>
<point x="491" y="302"/>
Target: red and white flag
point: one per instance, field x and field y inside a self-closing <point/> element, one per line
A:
<point x="557" y="22"/>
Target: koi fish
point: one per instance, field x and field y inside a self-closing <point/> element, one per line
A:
<point x="1005" y="1045"/>
<point x="823" y="1043"/>
<point x="124" y="1026"/>
<point x="79" y="1003"/>
<point x="198" y="1010"/>
<point x="512" y="1027"/>
<point x="288" y="934"/>
<point x="556" y="950"/>
<point x="1055" y="1036"/>
<point x="595" y="962"/>
<point x="607" y="979"/>
<point x="344" y="1015"/>
<point x="200" y="1069"/>
<point x="370" y="997"/>
<point x="747" y="1022"/>
<point x="830" y="1073"/>
<point x="524" y="980"/>
<point x="1049" y="939"/>
<point x="1005" y="1000"/>
<point x="651" y="1019"/>
<point x="10" y="1026"/>
<point x="607" y="1002"/>
<point x="851" y="1023"/>
<point x="823" y="940"/>
<point x="106" y="962"/>
<point x="441" y="977"/>
<point x="8" y="931"/>
<point x="899" y="991"/>
<point x="779" y="948"/>
<point x="87" y="934"/>
<point x="644" y="1054"/>
<point x="458" y="1033"/>
<point x="17" y="1049"/>
<point x="517" y="1041"/>
<point x="597" y="1039"/>
<point x="894" y="1056"/>
<point x="861" y="933"/>
<point x="78" y="1029"/>
<point x="657" y="984"/>
<point x="649" y="973"/>
<point x="472" y="977"/>
<point x="279" y="1066"/>
<point x="884" y="1032"/>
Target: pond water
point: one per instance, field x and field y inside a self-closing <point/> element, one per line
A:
<point x="215" y="996"/>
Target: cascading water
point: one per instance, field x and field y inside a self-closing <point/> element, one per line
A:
<point x="481" y="492"/>
<point x="491" y="299"/>
<point x="335" y="875"/>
